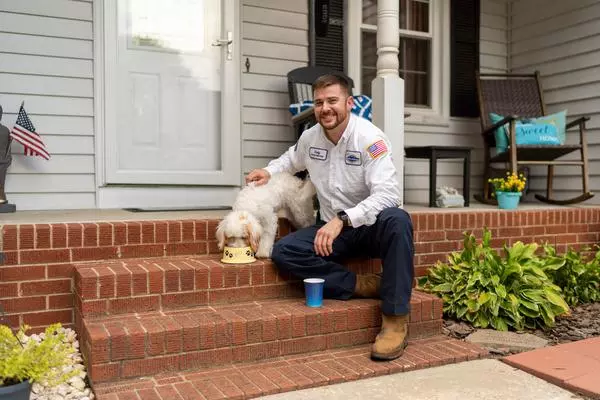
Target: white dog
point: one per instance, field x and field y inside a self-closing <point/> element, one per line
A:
<point x="254" y="218"/>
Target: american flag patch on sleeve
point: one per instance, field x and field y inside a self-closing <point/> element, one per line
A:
<point x="377" y="149"/>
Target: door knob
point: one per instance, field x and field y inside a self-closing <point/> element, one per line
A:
<point x="226" y="42"/>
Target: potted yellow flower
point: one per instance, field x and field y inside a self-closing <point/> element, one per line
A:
<point x="23" y="362"/>
<point x="509" y="190"/>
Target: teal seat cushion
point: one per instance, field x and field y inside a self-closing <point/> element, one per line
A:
<point x="545" y="130"/>
<point x="500" y="134"/>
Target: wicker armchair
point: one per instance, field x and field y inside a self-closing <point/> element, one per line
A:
<point x="516" y="97"/>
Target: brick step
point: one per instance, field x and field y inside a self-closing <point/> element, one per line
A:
<point x="26" y="244"/>
<point x="285" y="374"/>
<point x="131" y="345"/>
<point x="151" y="284"/>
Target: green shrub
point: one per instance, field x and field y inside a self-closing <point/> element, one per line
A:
<point x="576" y="275"/>
<point x="486" y="289"/>
<point x="42" y="362"/>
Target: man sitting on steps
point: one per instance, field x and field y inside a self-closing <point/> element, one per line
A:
<point x="349" y="160"/>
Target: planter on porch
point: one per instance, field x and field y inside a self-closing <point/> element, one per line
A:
<point x="508" y="200"/>
<point x="20" y="391"/>
<point x="509" y="190"/>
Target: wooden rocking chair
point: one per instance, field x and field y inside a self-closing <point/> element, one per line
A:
<point x="515" y="97"/>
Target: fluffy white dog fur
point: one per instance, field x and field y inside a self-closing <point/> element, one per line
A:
<point x="253" y="220"/>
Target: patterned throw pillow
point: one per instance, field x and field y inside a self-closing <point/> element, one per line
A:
<point x="545" y="130"/>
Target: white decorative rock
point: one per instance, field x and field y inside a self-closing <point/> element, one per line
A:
<point x="77" y="383"/>
<point x="63" y="390"/>
<point x="36" y="388"/>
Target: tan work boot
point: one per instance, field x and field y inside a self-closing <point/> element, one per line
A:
<point x="367" y="286"/>
<point x="391" y="341"/>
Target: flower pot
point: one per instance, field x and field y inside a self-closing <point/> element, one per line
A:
<point x="508" y="200"/>
<point x="20" y="391"/>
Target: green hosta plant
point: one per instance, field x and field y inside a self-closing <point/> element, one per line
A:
<point x="42" y="362"/>
<point x="577" y="276"/>
<point x="489" y="290"/>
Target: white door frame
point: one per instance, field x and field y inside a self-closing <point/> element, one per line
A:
<point x="130" y="195"/>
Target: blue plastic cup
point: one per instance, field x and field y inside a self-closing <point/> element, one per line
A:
<point x="313" y="288"/>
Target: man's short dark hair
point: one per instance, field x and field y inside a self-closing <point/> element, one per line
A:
<point x="331" y="79"/>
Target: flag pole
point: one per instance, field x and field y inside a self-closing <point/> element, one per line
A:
<point x="10" y="139"/>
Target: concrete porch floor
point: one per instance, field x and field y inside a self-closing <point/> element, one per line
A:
<point x="97" y="215"/>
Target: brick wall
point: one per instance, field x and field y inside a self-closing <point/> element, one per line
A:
<point x="36" y="276"/>
<point x="437" y="234"/>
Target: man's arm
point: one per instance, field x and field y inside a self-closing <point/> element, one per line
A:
<point x="382" y="180"/>
<point x="291" y="161"/>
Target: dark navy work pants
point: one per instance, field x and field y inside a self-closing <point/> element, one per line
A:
<point x="390" y="238"/>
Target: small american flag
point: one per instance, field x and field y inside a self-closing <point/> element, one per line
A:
<point x="24" y="133"/>
<point x="378" y="148"/>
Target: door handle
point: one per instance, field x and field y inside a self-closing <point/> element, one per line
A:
<point x="226" y="42"/>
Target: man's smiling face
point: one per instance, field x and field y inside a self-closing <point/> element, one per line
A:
<point x="332" y="106"/>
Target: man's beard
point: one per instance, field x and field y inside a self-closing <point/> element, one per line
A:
<point x="333" y="120"/>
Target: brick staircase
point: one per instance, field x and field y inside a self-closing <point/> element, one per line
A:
<point x="159" y="317"/>
<point x="191" y="327"/>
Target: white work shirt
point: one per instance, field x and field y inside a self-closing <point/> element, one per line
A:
<point x="357" y="175"/>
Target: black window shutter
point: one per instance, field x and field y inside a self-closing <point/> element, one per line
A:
<point x="327" y="34"/>
<point x="464" y="48"/>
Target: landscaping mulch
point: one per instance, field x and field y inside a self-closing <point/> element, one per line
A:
<point x="582" y="323"/>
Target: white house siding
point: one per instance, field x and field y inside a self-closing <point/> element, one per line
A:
<point x="459" y="131"/>
<point x="562" y="40"/>
<point x="46" y="53"/>
<point x="274" y="41"/>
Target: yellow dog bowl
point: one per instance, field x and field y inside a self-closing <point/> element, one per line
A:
<point x="238" y="255"/>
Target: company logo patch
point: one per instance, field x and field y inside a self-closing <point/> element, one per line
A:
<point x="353" y="158"/>
<point x="377" y="149"/>
<point x="317" y="153"/>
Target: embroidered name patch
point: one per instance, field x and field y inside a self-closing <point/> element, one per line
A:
<point x="377" y="149"/>
<point x="317" y="153"/>
<point x="353" y="158"/>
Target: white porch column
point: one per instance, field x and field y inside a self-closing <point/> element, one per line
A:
<point x="388" y="88"/>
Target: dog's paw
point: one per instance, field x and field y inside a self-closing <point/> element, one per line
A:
<point x="262" y="253"/>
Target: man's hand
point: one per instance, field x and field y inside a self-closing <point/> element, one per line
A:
<point x="258" y="176"/>
<point x="326" y="235"/>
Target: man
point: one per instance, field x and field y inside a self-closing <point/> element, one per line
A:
<point x="350" y="163"/>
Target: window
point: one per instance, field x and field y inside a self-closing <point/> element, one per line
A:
<point x="420" y="53"/>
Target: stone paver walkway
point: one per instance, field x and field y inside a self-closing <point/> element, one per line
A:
<point x="574" y="366"/>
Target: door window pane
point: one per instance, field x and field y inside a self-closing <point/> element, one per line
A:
<point x="174" y="25"/>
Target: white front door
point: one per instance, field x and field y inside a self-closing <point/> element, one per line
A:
<point x="172" y="92"/>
